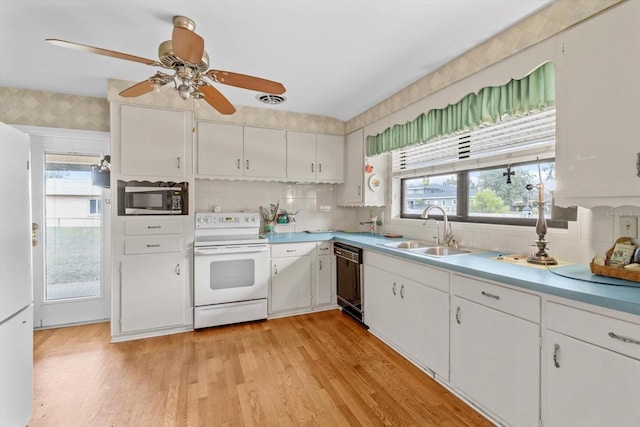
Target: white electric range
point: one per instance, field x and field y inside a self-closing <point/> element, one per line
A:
<point x="231" y="269"/>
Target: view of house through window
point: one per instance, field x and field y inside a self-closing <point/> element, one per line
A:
<point x="73" y="228"/>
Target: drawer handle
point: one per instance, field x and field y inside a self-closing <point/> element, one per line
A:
<point x="402" y="291"/>
<point x="393" y="289"/>
<point x="458" y="314"/>
<point x="154" y="226"/>
<point x="488" y="295"/>
<point x="556" y="354"/>
<point x="291" y="250"/>
<point x="624" y="339"/>
<point x="157" y="245"/>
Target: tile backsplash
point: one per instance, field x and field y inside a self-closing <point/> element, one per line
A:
<point x="317" y="202"/>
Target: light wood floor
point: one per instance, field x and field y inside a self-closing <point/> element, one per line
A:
<point x="316" y="369"/>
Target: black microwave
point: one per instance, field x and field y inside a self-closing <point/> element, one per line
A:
<point x="158" y="199"/>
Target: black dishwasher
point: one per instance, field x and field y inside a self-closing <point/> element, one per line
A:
<point x="349" y="279"/>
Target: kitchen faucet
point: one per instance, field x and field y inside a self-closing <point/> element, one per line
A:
<point x="447" y="236"/>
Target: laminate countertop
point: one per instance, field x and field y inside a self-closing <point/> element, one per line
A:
<point x="623" y="296"/>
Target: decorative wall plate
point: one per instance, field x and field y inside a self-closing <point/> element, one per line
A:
<point x="375" y="183"/>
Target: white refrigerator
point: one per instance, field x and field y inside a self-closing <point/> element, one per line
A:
<point x="16" y="291"/>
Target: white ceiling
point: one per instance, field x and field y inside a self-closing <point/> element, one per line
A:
<point x="336" y="58"/>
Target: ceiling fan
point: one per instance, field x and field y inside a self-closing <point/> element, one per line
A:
<point x="185" y="55"/>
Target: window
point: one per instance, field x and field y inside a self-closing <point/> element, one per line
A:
<point x="484" y="195"/>
<point x="95" y="206"/>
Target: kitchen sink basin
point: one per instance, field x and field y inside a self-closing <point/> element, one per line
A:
<point x="440" y="251"/>
<point x="410" y="244"/>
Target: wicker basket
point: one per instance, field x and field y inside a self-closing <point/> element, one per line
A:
<point x="617" y="272"/>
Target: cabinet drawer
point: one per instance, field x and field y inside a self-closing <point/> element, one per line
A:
<point x="324" y="248"/>
<point x="292" y="249"/>
<point x="521" y="304"/>
<point x="146" y="227"/>
<point x="432" y="277"/>
<point x="152" y="245"/>
<point x="595" y="328"/>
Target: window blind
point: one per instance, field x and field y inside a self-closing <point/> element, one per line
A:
<point x="500" y="140"/>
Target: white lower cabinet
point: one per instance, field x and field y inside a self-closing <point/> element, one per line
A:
<point x="153" y="291"/>
<point x="301" y="277"/>
<point x="412" y="316"/>
<point x="495" y="353"/>
<point x="290" y="283"/>
<point x="591" y="377"/>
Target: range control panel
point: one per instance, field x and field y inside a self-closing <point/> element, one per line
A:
<point x="227" y="220"/>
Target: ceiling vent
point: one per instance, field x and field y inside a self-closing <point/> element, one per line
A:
<point x="271" y="99"/>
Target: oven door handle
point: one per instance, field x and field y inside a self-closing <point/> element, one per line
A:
<point x="220" y="250"/>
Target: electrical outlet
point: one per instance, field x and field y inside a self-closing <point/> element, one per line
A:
<point x="628" y="226"/>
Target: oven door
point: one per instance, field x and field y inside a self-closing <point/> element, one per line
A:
<point x="233" y="273"/>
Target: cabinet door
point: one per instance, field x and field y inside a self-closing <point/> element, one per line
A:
<point x="588" y="385"/>
<point x="153" y="291"/>
<point x="265" y="153"/>
<point x="153" y="141"/>
<point x="424" y="329"/>
<point x="323" y="292"/>
<point x="301" y="155"/>
<point x="290" y="283"/>
<point x="380" y="302"/>
<point x="353" y="170"/>
<point x="220" y="149"/>
<point x="330" y="158"/>
<point x="593" y="126"/>
<point x="495" y="360"/>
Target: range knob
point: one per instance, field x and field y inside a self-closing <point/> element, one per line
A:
<point x="208" y="219"/>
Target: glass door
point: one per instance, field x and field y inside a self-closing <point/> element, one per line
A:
<point x="71" y="236"/>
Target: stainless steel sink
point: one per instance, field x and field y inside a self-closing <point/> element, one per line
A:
<point x="440" y="251"/>
<point x="410" y="244"/>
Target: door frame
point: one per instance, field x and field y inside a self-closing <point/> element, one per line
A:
<point x="84" y="310"/>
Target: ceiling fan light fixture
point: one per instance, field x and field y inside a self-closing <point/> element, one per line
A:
<point x="183" y="91"/>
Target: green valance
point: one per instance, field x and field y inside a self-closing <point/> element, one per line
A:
<point x="533" y="92"/>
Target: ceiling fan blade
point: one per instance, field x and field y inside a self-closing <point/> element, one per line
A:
<point x="101" y="51"/>
<point x="137" y="89"/>
<point x="187" y="45"/>
<point x="246" y="82"/>
<point x="217" y="100"/>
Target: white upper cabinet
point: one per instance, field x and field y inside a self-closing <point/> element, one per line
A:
<point x="265" y="153"/>
<point x="220" y="149"/>
<point x="153" y="142"/>
<point x="315" y="157"/>
<point x="352" y="192"/>
<point x="598" y="105"/>
<point x="301" y="155"/>
<point x="225" y="151"/>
